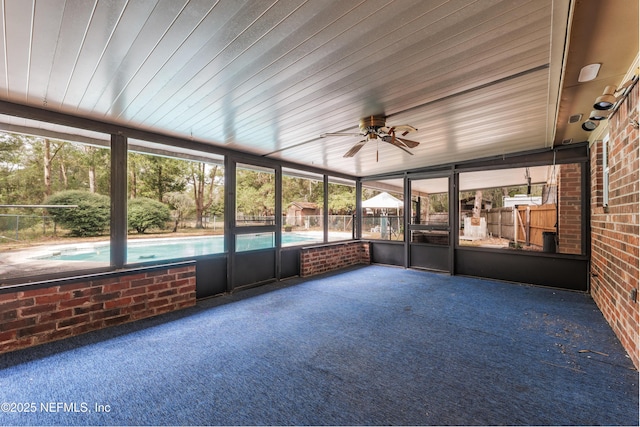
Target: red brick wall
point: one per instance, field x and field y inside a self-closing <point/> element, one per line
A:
<point x="569" y="209"/>
<point x="615" y="230"/>
<point x="321" y="259"/>
<point x="30" y="317"/>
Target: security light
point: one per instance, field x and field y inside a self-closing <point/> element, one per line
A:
<point x="599" y="115"/>
<point x="589" y="125"/>
<point x="606" y="100"/>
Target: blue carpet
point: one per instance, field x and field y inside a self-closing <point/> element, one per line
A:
<point x="368" y="346"/>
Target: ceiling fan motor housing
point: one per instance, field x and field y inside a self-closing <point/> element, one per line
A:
<point x="372" y="123"/>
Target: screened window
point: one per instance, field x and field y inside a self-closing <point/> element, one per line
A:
<point x="302" y="208"/>
<point x="175" y="205"/>
<point x="430" y="211"/>
<point x="255" y="196"/>
<point x="430" y="201"/>
<point x="532" y="208"/>
<point x="383" y="210"/>
<point x="55" y="204"/>
<point x="342" y="205"/>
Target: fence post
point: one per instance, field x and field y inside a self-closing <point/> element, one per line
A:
<point x="515" y="225"/>
<point x="528" y="228"/>
<point x="17" y="226"/>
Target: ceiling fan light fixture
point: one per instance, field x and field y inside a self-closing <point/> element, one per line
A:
<point x="606" y="100"/>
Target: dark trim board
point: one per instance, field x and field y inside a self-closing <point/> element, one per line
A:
<point x="254" y="267"/>
<point x="388" y="253"/>
<point x="569" y="272"/>
<point x="289" y="262"/>
<point x="558" y="271"/>
<point x="211" y="276"/>
<point x="431" y="257"/>
<point x="553" y="270"/>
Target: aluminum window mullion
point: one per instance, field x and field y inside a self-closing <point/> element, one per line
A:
<point x="118" y="221"/>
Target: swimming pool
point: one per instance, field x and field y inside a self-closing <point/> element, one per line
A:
<point x="141" y="250"/>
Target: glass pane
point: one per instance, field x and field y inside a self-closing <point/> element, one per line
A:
<point x="383" y="210"/>
<point x="255" y="196"/>
<point x="535" y="209"/>
<point x="342" y="204"/>
<point x="434" y="237"/>
<point x="430" y="201"/>
<point x="302" y="206"/>
<point x="175" y="207"/>
<point x="55" y="205"/>
<point x="252" y="242"/>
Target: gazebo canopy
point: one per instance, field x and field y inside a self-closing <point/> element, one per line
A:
<point x="383" y="200"/>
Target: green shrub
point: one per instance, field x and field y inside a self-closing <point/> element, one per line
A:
<point x="144" y="213"/>
<point x="90" y="218"/>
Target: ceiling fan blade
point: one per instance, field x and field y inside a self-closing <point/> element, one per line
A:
<point x="352" y="152"/>
<point x="391" y="139"/>
<point x="409" y="143"/>
<point x="324" y="135"/>
<point x="404" y="129"/>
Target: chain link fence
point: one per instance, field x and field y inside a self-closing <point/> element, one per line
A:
<point x="19" y="227"/>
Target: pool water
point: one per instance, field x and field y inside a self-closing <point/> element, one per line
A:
<point x="161" y="249"/>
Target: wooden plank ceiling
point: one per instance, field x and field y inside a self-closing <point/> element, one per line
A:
<point x="268" y="77"/>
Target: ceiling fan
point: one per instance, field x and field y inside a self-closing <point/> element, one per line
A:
<point x="374" y="127"/>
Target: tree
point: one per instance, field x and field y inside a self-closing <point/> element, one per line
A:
<point x="90" y="217"/>
<point x="10" y="147"/>
<point x="95" y="164"/>
<point x="49" y="152"/>
<point x="342" y="199"/>
<point x="144" y="213"/>
<point x="181" y="204"/>
<point x="134" y="164"/>
<point x="11" y="150"/>
<point x="296" y="189"/>
<point x="437" y="203"/>
<point x="27" y="178"/>
<point x="477" y="204"/>
<point x="93" y="158"/>
<point x="154" y="176"/>
<point x="163" y="175"/>
<point x="203" y="176"/>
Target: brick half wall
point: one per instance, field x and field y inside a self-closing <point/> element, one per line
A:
<point x="333" y="256"/>
<point x="32" y="315"/>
